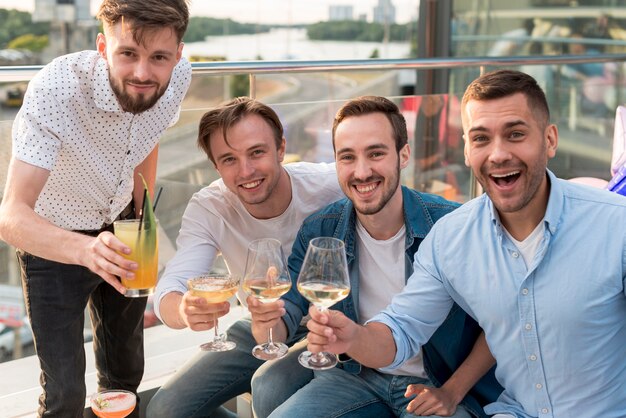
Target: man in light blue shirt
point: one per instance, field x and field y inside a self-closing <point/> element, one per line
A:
<point x="539" y="263"/>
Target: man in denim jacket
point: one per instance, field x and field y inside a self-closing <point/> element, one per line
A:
<point x="382" y="225"/>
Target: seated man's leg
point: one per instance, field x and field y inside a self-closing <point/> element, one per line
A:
<point x="208" y="379"/>
<point x="275" y="381"/>
<point x="330" y="394"/>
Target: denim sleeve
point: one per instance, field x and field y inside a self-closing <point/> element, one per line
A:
<point x="295" y="305"/>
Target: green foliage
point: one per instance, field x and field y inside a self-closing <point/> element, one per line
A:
<point x="353" y="30"/>
<point x="201" y="27"/>
<point x="30" y="42"/>
<point x="239" y="85"/>
<point x="16" y="23"/>
<point x="375" y="54"/>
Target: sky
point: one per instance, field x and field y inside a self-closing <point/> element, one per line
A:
<point x="266" y="11"/>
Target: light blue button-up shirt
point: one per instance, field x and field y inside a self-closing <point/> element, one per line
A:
<point x="558" y="328"/>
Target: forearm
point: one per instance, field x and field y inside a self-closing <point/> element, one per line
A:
<point x="477" y="363"/>
<point x="170" y="310"/>
<point x="373" y="345"/>
<point x="22" y="228"/>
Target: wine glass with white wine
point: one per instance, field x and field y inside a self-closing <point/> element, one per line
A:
<point x="215" y="288"/>
<point x="323" y="281"/>
<point x="267" y="279"/>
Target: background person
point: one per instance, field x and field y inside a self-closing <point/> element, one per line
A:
<point x="257" y="197"/>
<point x="90" y="123"/>
<point x="382" y="225"/>
<point x="530" y="274"/>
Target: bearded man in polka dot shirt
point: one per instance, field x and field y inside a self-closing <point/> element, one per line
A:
<point x="89" y="126"/>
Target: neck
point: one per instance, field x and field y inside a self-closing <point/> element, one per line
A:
<point x="385" y="223"/>
<point x="523" y="222"/>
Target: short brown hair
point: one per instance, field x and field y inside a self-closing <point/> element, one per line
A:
<point x="504" y="83"/>
<point x="231" y="112"/>
<point x="374" y="104"/>
<point x="145" y="15"/>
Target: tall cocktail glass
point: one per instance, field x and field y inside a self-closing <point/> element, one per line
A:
<point x="144" y="251"/>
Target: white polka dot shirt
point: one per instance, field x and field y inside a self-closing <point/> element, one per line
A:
<point x="72" y="125"/>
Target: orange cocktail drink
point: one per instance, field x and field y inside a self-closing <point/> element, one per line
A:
<point x="144" y="251"/>
<point x="113" y="403"/>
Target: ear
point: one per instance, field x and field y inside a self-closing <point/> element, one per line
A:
<point x="552" y="140"/>
<point x="179" y="53"/>
<point x="405" y="156"/>
<point x="466" y="150"/>
<point x="101" y="45"/>
<point x="281" y="150"/>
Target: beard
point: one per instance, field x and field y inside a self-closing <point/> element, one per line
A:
<point x="139" y="103"/>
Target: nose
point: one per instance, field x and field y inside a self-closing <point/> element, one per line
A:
<point x="142" y="70"/>
<point x="500" y="152"/>
<point x="362" y="169"/>
<point x="246" y="168"/>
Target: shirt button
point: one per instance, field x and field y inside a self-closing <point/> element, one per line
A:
<point x="515" y="254"/>
<point x="528" y="327"/>
<point x="538" y="385"/>
<point x="533" y="357"/>
<point x="524" y="292"/>
<point x="544" y="411"/>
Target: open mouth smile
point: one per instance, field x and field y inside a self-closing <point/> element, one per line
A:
<point x="505" y="179"/>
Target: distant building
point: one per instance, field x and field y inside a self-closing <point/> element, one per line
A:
<point x="362" y="17"/>
<point x="72" y="28"/>
<point x="340" y="12"/>
<point x="385" y="12"/>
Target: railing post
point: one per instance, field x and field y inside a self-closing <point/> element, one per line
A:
<point x="252" y="85"/>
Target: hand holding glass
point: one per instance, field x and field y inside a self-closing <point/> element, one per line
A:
<point x="215" y="288"/>
<point x="267" y="279"/>
<point x="323" y="281"/>
<point x="113" y="403"/>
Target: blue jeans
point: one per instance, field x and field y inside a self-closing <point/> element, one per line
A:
<point x="336" y="393"/>
<point x="209" y="379"/>
<point x="56" y="295"/>
<point x="276" y="381"/>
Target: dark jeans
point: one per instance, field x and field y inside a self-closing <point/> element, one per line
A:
<point x="56" y="296"/>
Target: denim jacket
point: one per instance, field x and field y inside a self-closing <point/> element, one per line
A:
<point x="454" y="339"/>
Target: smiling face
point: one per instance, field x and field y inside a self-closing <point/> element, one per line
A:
<point x="139" y="73"/>
<point x="368" y="165"/>
<point x="250" y="165"/>
<point x="508" y="148"/>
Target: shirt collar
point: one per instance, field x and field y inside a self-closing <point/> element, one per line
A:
<point x="104" y="97"/>
<point x="554" y="208"/>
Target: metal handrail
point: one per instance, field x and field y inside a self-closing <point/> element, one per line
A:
<point x="27" y="72"/>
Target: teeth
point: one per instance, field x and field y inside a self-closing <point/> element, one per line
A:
<point x="251" y="185"/>
<point x="499" y="176"/>
<point x="366" y="188"/>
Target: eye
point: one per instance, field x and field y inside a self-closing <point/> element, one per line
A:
<point x="258" y="152"/>
<point x="377" y="154"/>
<point x="517" y="134"/>
<point x="480" y="138"/>
<point x="228" y="160"/>
<point x="346" y="157"/>
<point x="160" y="57"/>
<point x="128" y="53"/>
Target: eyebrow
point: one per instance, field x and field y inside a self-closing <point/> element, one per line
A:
<point x="369" y="148"/>
<point x="134" y="49"/>
<point x="260" y="145"/>
<point x="507" y="125"/>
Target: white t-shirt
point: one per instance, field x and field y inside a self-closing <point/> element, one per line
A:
<point x="529" y="246"/>
<point x="216" y="221"/>
<point x="382" y="275"/>
<point x="72" y="125"/>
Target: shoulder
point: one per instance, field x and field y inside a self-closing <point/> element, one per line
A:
<point x="68" y="72"/>
<point x="327" y="218"/>
<point x="215" y="198"/>
<point x="433" y="206"/>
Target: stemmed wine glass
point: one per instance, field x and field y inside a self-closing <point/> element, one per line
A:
<point x="215" y="288"/>
<point x="267" y="279"/>
<point x="323" y="281"/>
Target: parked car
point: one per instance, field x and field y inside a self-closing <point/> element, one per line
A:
<point x="7" y="337"/>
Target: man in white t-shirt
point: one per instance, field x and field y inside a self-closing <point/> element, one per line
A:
<point x="382" y="225"/>
<point x="257" y="197"/>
